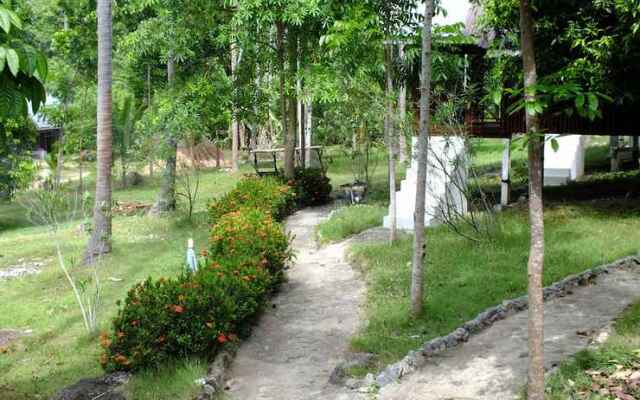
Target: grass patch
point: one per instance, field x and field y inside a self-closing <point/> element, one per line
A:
<point x="176" y="381"/>
<point x="59" y="352"/>
<point x="577" y="379"/>
<point x="349" y="221"/>
<point x="578" y="237"/>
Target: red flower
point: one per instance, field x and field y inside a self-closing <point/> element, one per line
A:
<point x="177" y="309"/>
<point x="222" y="338"/>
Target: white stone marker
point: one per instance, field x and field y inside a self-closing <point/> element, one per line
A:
<point x="446" y="180"/>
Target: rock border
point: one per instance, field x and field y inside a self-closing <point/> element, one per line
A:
<point x="417" y="358"/>
<point x="214" y="383"/>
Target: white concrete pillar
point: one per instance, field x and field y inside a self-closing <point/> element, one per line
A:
<point x="505" y="176"/>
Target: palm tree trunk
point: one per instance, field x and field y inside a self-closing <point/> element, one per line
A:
<point x="292" y="100"/>
<point x="535" y="387"/>
<point x="234" y="121"/>
<point x="100" y="241"/>
<point x="419" y="248"/>
<point x="282" y="75"/>
<point x="166" y="200"/>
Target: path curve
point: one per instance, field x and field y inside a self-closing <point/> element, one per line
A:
<point x="493" y="364"/>
<point x="293" y="350"/>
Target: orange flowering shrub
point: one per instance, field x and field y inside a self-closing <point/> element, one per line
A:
<point x="251" y="233"/>
<point x="193" y="314"/>
<point x="267" y="194"/>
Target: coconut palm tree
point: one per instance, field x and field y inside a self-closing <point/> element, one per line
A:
<point x="100" y="241"/>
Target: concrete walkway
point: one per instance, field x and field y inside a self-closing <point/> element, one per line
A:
<point x="296" y="345"/>
<point x="493" y="364"/>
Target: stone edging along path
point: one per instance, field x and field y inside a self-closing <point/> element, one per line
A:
<point x="417" y="358"/>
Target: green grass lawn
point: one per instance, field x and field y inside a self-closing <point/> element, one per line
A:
<point x="583" y="376"/>
<point x="350" y="220"/>
<point x="464" y="278"/>
<point x="59" y="352"/>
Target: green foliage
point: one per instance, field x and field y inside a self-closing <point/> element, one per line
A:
<point x="250" y="233"/>
<point x="267" y="194"/>
<point x="311" y="186"/>
<point x="22" y="69"/>
<point x="586" y="50"/>
<point x="17" y="169"/>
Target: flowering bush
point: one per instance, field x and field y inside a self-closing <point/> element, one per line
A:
<point x="311" y="186"/>
<point x="267" y="194"/>
<point x="251" y="233"/>
<point x="191" y="314"/>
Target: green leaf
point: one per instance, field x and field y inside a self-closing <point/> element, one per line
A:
<point x="14" y="61"/>
<point x="555" y="145"/>
<point x="3" y="58"/>
<point x="5" y="20"/>
<point x="593" y="102"/>
<point x="497" y="97"/>
<point x="42" y="69"/>
<point x="15" y="20"/>
<point x="580" y="101"/>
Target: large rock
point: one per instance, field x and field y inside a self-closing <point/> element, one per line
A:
<point x="107" y="387"/>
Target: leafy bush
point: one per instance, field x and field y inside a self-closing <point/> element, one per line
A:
<point x="192" y="314"/>
<point x="312" y="187"/>
<point x="251" y="233"/>
<point x="267" y="194"/>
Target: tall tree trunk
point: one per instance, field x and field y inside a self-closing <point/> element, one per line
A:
<point x="402" y="113"/>
<point x="148" y="101"/>
<point x="100" y="240"/>
<point x="235" y="126"/>
<point x="282" y="84"/>
<point x="389" y="127"/>
<point x="166" y="200"/>
<point x="535" y="387"/>
<point x="81" y="169"/>
<point x="292" y="109"/>
<point x="419" y="248"/>
<point x="60" y="156"/>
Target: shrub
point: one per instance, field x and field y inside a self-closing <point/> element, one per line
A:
<point x="251" y="233"/>
<point x="192" y="314"/>
<point x="312" y="187"/>
<point x="267" y="194"/>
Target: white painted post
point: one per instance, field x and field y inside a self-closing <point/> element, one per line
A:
<point x="505" y="188"/>
<point x="192" y="261"/>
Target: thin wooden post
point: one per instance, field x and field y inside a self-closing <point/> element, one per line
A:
<point x="505" y="188"/>
<point x="636" y="149"/>
<point x="614" y="142"/>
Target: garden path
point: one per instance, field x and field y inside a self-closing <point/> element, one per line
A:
<point x="293" y="350"/>
<point x="493" y="364"/>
